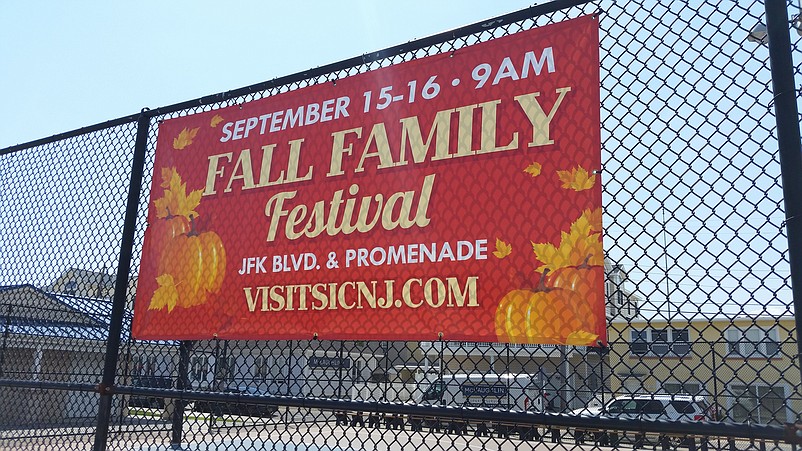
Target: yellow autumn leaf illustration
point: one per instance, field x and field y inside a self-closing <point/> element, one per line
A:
<point x="585" y="237"/>
<point x="549" y="255"/>
<point x="581" y="244"/>
<point x="176" y="201"/>
<point x="164" y="296"/>
<point x="185" y="138"/>
<point x="577" y="179"/>
<point x="216" y="120"/>
<point x="579" y="228"/>
<point x="533" y="169"/>
<point x="586" y="251"/>
<point x="581" y="338"/>
<point x="168" y="174"/>
<point x="502" y="249"/>
<point x="594" y="218"/>
<point x="574" y="250"/>
<point x="588" y="223"/>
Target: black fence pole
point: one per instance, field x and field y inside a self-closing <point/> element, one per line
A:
<point x="386" y="369"/>
<point x="6" y="333"/>
<point x="289" y="369"/>
<point x="182" y="383"/>
<point x="788" y="141"/>
<point x="121" y="285"/>
<point x="340" y="371"/>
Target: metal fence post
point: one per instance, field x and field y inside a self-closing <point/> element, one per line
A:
<point x="121" y="285"/>
<point x="788" y="140"/>
<point x="340" y="371"/>
<point x="6" y="333"/>
<point x="182" y="383"/>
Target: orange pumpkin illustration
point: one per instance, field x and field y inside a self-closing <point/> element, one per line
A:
<point x="545" y="315"/>
<point x="163" y="230"/>
<point x="584" y="280"/>
<point x="197" y="262"/>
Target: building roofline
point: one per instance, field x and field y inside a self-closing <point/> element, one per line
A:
<point x="92" y="316"/>
<point x="702" y="317"/>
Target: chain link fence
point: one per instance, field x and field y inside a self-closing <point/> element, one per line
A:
<point x="701" y="323"/>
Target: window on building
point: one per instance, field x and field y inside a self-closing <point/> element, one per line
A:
<point x="278" y="368"/>
<point x="660" y="342"/>
<point x="593" y="382"/>
<point x="271" y="368"/>
<point x="753" y="341"/>
<point x="758" y="404"/>
<point x="629" y="308"/>
<point x="680" y="341"/>
<point x="199" y="368"/>
<point x="614" y="296"/>
<point x="356" y="371"/>
<point x="640" y="342"/>
<point x="144" y="366"/>
<point x="262" y="365"/>
<point x="228" y="370"/>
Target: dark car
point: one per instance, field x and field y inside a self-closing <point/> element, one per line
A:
<point x="236" y="407"/>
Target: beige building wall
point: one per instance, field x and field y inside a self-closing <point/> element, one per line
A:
<point x="720" y="375"/>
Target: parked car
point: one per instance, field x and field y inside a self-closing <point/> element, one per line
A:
<point x="587" y="411"/>
<point x="648" y="407"/>
<point x="236" y="407"/>
<point x="654" y="407"/>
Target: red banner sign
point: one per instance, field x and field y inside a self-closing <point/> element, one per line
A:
<point x="455" y="196"/>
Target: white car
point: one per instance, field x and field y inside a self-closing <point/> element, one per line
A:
<point x="653" y="407"/>
<point x="587" y="412"/>
<point x="649" y="407"/>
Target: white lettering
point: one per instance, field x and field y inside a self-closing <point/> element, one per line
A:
<point x="274" y="121"/>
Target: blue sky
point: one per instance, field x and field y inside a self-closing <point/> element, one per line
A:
<point x="67" y="65"/>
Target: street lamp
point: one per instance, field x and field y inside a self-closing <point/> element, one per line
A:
<point x="758" y="34"/>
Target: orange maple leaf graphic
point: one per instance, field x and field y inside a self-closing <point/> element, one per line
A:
<point x="185" y="138"/>
<point x="176" y="201"/>
<point x="533" y="169"/>
<point x="577" y="179"/>
<point x="216" y="120"/>
<point x="502" y="249"/>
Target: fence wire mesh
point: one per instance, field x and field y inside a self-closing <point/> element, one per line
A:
<point x="702" y="344"/>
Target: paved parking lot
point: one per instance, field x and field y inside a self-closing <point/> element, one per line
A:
<point x="299" y="430"/>
<point x="296" y="430"/>
<point x="328" y="437"/>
